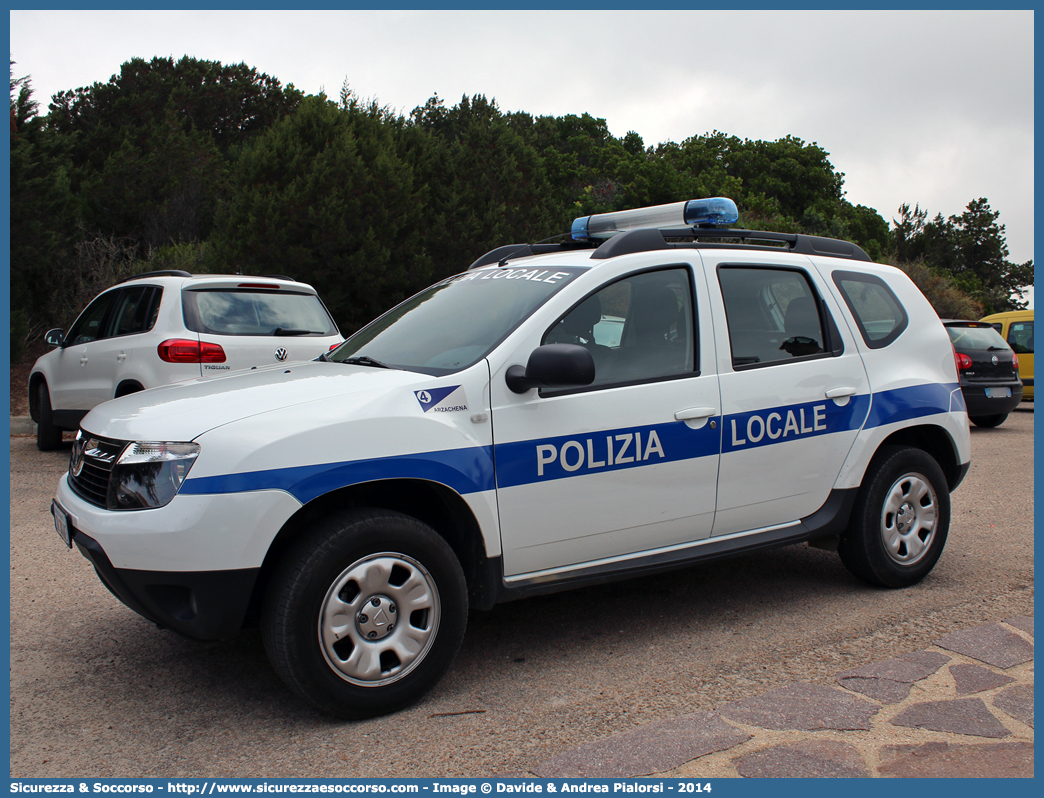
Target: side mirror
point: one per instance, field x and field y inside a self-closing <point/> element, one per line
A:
<point x="553" y="366"/>
<point x="55" y="337"/>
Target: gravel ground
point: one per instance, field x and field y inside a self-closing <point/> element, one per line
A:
<point x="98" y="691"/>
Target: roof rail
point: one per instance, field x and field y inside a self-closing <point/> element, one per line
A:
<point x="649" y="239"/>
<point x="512" y="251"/>
<point x="163" y="273"/>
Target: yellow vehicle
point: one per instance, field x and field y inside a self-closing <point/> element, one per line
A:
<point x="1016" y="327"/>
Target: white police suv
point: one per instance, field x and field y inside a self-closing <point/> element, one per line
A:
<point x="654" y="392"/>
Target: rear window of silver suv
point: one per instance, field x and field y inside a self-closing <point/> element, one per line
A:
<point x="255" y="312"/>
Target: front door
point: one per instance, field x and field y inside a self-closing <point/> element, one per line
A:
<point x="74" y="368"/>
<point x="629" y="464"/>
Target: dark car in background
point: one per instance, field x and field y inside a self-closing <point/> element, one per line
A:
<point x="988" y="370"/>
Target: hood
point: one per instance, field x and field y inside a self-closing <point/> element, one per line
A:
<point x="185" y="410"/>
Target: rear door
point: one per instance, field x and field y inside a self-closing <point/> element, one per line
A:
<point x="119" y="351"/>
<point x="794" y="390"/>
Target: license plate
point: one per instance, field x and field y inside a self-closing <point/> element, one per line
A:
<point x="61" y="523"/>
<point x="998" y="393"/>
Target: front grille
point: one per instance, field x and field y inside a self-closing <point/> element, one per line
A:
<point x="98" y="456"/>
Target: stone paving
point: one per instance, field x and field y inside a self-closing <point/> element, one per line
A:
<point x="963" y="709"/>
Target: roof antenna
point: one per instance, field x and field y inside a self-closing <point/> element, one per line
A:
<point x="513" y="253"/>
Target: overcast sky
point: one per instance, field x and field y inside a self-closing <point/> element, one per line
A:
<point x="928" y="107"/>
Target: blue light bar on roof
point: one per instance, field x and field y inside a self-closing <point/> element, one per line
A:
<point x="713" y="212"/>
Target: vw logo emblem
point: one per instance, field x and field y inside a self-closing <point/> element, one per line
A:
<point x="425" y="397"/>
<point x="995" y="360"/>
<point x="280" y="354"/>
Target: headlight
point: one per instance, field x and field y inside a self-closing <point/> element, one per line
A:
<point x="150" y="474"/>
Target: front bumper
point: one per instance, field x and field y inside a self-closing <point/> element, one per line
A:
<point x="208" y="605"/>
<point x="190" y="566"/>
<point x="220" y="532"/>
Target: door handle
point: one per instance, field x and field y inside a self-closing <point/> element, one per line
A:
<point x="837" y="393"/>
<point x="121" y="356"/>
<point x="696" y="417"/>
<point x="694" y="413"/>
<point x="840" y="395"/>
<point x="83" y="360"/>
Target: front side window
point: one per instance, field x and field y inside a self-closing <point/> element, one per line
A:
<point x="637" y="329"/>
<point x="877" y="311"/>
<point x="454" y="324"/>
<point x="88" y="326"/>
<point x="773" y="315"/>
<point x="255" y="312"/>
<point x="1020" y="337"/>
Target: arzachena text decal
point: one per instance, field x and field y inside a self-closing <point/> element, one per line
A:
<point x="448" y="399"/>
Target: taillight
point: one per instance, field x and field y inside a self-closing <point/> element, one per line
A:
<point x="183" y="350"/>
<point x="962" y="360"/>
<point x="1014" y="361"/>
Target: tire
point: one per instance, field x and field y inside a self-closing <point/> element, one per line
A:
<point x="328" y="617"/>
<point x="988" y="421"/>
<point x="48" y="436"/>
<point x="878" y="546"/>
<point x="126" y="389"/>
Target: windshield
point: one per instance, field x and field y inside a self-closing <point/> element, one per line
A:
<point x="455" y="323"/>
<point x="967" y="338"/>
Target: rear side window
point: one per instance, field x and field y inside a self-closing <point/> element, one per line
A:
<point x="135" y="310"/>
<point x="1020" y="337"/>
<point x="773" y="315"/>
<point x="877" y="311"/>
<point x="250" y="312"/>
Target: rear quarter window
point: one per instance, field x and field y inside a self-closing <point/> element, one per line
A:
<point x="877" y="310"/>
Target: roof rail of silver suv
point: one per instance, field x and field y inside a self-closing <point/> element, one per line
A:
<point x="162" y="273"/>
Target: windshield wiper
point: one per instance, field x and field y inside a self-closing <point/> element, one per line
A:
<point x="365" y="360"/>
<point x="281" y="331"/>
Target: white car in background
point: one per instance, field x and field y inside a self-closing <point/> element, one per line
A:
<point x="168" y="326"/>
